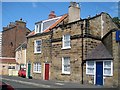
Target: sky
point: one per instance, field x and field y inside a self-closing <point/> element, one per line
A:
<point x="32" y="12"/>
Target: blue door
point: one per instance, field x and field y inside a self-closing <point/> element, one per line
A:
<point x="99" y="73"/>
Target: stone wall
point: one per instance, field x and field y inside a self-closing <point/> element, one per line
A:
<point x="39" y="57"/>
<point x="75" y="52"/>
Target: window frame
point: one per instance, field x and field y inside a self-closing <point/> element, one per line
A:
<point x="37" y="28"/>
<point x="35" y="46"/>
<point x="36" y="66"/>
<point x="65" y="72"/>
<point x="111" y="68"/>
<point x="40" y="30"/>
<point x="63" y="42"/>
<point x="90" y="67"/>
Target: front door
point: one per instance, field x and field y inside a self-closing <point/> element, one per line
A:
<point x="29" y="69"/>
<point x="46" y="71"/>
<point x="99" y="73"/>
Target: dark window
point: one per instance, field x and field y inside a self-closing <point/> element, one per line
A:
<point x="11" y="44"/>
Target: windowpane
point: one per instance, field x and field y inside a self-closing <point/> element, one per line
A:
<point x="37" y="67"/>
<point x="107" y="63"/>
<point x="90" y="64"/>
<point x="108" y="68"/>
<point x="90" y="70"/>
<point x="38" y="46"/>
<point x="90" y="67"/>
<point x="38" y="28"/>
<point x="66" y="65"/>
<point x="66" y="40"/>
<point x="107" y="71"/>
<point x="48" y="23"/>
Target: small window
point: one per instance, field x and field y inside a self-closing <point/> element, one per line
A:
<point x="90" y="67"/>
<point x="37" y="68"/>
<point x="37" y="46"/>
<point x="11" y="44"/>
<point x="11" y="67"/>
<point x="66" y="41"/>
<point x="107" y="70"/>
<point x="38" y="28"/>
<point x="66" y="65"/>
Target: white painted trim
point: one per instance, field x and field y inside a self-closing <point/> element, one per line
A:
<point x="37" y="66"/>
<point x="41" y="27"/>
<point x="110" y="67"/>
<point x="25" y="56"/>
<point x="42" y="22"/>
<point x="64" y="72"/>
<point x="87" y="67"/>
<point x="27" y="70"/>
<point x="103" y="70"/>
<point x="35" y="46"/>
<point x="51" y="19"/>
<point x="37" y="29"/>
<point x="95" y="72"/>
<point x="67" y="47"/>
<point x="43" y="71"/>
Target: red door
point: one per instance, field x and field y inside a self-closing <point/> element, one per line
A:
<point x="46" y="71"/>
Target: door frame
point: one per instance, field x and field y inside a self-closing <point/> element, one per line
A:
<point x="95" y="72"/>
<point x="44" y="71"/>
<point x="27" y="69"/>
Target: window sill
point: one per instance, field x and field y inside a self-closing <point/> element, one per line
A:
<point x="66" y="48"/>
<point x="106" y="75"/>
<point x="90" y="74"/>
<point x="37" y="52"/>
<point x="37" y="72"/>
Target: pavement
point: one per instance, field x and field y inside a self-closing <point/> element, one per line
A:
<point x="35" y="83"/>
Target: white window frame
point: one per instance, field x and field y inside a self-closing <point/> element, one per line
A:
<point x="90" y="67"/>
<point x="42" y="22"/>
<point x="103" y="68"/>
<point x="63" y="42"/>
<point x="65" y="72"/>
<point x="37" y="67"/>
<point x="111" y="67"/>
<point x="37" y="28"/>
<point x="35" y="46"/>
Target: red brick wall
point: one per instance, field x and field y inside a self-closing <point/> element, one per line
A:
<point x="12" y="38"/>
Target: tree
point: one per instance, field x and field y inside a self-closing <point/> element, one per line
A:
<point x="116" y="20"/>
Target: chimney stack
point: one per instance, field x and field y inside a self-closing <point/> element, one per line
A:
<point x="74" y="12"/>
<point x="20" y="23"/>
<point x="52" y="15"/>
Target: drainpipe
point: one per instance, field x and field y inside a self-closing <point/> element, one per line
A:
<point x="82" y="52"/>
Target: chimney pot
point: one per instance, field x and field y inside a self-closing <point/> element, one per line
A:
<point x="52" y="14"/>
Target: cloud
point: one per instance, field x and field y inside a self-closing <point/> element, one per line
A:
<point x="34" y="5"/>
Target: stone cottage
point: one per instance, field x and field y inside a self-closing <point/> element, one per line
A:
<point x="62" y="49"/>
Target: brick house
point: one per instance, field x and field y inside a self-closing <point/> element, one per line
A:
<point x="63" y="51"/>
<point x="12" y="36"/>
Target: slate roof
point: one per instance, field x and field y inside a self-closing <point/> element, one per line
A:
<point x="99" y="53"/>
